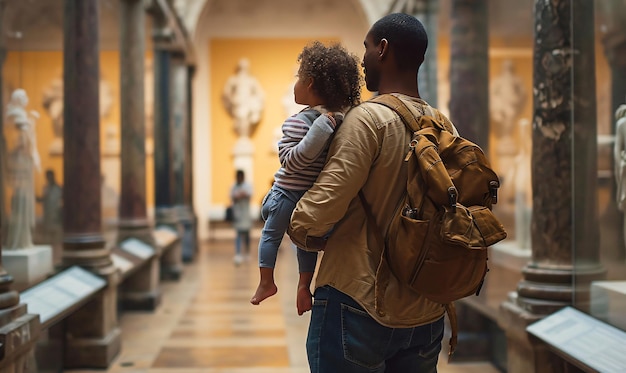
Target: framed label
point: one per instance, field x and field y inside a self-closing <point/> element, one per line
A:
<point x="590" y="341"/>
<point x="60" y="292"/>
<point x="137" y="248"/>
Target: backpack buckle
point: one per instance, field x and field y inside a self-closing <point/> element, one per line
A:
<point x="412" y="146"/>
<point x="452" y="197"/>
<point x="493" y="190"/>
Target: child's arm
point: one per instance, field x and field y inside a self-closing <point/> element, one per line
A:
<point x="303" y="153"/>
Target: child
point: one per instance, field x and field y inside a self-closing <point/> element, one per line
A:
<point x="329" y="83"/>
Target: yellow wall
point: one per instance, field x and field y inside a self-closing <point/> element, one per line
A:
<point x="272" y="62"/>
<point x="34" y="71"/>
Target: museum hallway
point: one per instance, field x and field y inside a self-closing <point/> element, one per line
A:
<point x="206" y="324"/>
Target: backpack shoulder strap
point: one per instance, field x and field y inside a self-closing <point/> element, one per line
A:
<point x="399" y="107"/>
<point x="413" y="122"/>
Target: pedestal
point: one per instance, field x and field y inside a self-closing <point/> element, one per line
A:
<point x="28" y="266"/>
<point x="608" y="302"/>
<point x="243" y="157"/>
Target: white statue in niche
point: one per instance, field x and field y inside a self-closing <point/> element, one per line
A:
<point x="53" y="103"/>
<point x="619" y="155"/>
<point x="23" y="160"/>
<point x="243" y="99"/>
<point x="507" y="96"/>
<point x="507" y="99"/>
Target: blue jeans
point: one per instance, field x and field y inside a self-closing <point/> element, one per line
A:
<point x="344" y="338"/>
<point x="276" y="210"/>
<point x="242" y="239"/>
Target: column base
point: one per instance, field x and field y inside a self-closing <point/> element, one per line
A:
<point x="140" y="301"/>
<point x="524" y="354"/>
<point x="189" y="240"/>
<point x="140" y="291"/>
<point x="93" y="352"/>
<point x="168" y="235"/>
<point x="171" y="271"/>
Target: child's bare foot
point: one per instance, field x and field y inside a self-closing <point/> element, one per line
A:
<point x="304" y="300"/>
<point x="263" y="292"/>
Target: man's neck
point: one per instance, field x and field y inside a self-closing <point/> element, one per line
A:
<point x="413" y="94"/>
<point x="403" y="85"/>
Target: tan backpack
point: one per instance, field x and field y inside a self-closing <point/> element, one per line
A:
<point x="437" y="240"/>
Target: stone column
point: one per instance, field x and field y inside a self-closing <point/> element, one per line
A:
<point x="3" y="147"/>
<point x="93" y="335"/>
<point x="188" y="195"/>
<point x="181" y="154"/>
<point x="426" y="11"/>
<point x="469" y="111"/>
<point x="565" y="228"/>
<point x="141" y="290"/>
<point x="469" y="68"/>
<point x="165" y="212"/>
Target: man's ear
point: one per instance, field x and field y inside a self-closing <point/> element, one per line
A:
<point x="384" y="48"/>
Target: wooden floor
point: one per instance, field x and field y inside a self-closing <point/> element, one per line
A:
<point x="206" y="323"/>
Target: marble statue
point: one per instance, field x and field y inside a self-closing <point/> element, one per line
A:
<point x="243" y="99"/>
<point x="619" y="154"/>
<point x="23" y="160"/>
<point x="507" y="99"/>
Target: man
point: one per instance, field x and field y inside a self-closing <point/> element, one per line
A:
<point x="52" y="203"/>
<point x="240" y="194"/>
<point x="363" y="319"/>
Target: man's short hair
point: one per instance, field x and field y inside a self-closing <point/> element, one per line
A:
<point x="406" y="36"/>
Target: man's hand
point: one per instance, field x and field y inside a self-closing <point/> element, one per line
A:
<point x="307" y="243"/>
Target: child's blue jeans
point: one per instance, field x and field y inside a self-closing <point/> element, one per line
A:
<point x="276" y="210"/>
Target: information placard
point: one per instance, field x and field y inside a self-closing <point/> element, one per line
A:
<point x="598" y="345"/>
<point x="137" y="248"/>
<point x="60" y="292"/>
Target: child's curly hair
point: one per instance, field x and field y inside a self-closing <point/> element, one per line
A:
<point x="335" y="72"/>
